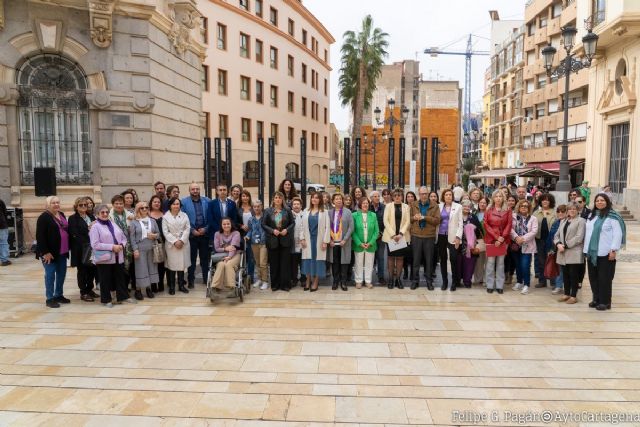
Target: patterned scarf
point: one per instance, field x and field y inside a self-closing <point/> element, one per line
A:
<point x="336" y="228"/>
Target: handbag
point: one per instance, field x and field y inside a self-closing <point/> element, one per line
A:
<point x="87" y="255"/>
<point x="551" y="269"/>
<point x="102" y="256"/>
<point x="159" y="254"/>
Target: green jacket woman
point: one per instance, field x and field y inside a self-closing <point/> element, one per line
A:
<point x="358" y="231"/>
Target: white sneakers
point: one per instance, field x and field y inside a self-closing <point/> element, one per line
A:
<point x="257" y="283"/>
<point x="264" y="286"/>
<point x="556" y="291"/>
<point x="525" y="290"/>
<point x="517" y="286"/>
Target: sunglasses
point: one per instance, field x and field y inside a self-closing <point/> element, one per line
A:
<point x="144" y="208"/>
<point x="580" y="202"/>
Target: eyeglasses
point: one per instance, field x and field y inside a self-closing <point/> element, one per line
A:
<point x="104" y="212"/>
<point x="580" y="202"/>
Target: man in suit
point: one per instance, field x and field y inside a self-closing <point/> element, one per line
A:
<point x="196" y="208"/>
<point x="219" y="208"/>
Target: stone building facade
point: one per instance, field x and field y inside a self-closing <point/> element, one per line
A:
<point x="105" y="91"/>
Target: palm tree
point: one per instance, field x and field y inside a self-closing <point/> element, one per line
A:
<point x="363" y="56"/>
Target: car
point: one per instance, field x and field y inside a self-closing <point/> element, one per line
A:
<point x="311" y="187"/>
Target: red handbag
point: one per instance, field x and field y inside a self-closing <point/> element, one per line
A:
<point x="551" y="269"/>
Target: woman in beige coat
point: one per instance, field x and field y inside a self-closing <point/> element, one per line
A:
<point x="176" y="229"/>
<point x="569" y="241"/>
<point x="397" y="221"/>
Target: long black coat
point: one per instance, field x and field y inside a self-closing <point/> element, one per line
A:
<point x="78" y="236"/>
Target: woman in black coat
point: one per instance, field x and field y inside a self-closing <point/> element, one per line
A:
<point x="79" y="224"/>
<point x="278" y="223"/>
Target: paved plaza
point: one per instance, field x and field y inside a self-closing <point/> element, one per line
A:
<point x="363" y="357"/>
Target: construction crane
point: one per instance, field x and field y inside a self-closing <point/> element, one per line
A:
<point x="466" y="119"/>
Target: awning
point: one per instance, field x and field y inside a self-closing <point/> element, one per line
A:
<point x="529" y="172"/>
<point x="555" y="166"/>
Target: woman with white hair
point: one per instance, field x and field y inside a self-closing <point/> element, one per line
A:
<point x="52" y="248"/>
<point x="498" y="220"/>
<point x="144" y="232"/>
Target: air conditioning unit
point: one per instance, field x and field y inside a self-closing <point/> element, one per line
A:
<point x="519" y="164"/>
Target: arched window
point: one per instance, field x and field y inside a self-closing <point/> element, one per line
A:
<point x="292" y="171"/>
<point x="54" y="120"/>
<point x="250" y="174"/>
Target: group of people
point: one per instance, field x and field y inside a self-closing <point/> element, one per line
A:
<point x="359" y="240"/>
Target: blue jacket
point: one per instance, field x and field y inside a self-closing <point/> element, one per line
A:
<point x="548" y="245"/>
<point x="256" y="234"/>
<point x="190" y="210"/>
<point x="215" y="215"/>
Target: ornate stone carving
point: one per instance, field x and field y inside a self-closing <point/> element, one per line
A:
<point x="610" y="101"/>
<point x="8" y="93"/>
<point x="101" y="22"/>
<point x="1" y="15"/>
<point x="143" y="102"/>
<point x="184" y="16"/>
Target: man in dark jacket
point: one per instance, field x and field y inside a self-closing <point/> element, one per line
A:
<point x="4" y="235"/>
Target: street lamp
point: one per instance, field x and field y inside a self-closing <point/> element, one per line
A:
<point x="590" y="43"/>
<point x="391" y="121"/>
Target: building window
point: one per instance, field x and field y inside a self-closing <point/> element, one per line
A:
<point x="245" y="40"/>
<point x="54" y="120"/>
<point x="207" y="121"/>
<point x="304" y="37"/>
<point x="274" y="132"/>
<point x="325" y="145"/>
<point x="223" y="126"/>
<point x="304" y="106"/>
<point x="245" y="88"/>
<point x="258" y="7"/>
<point x="531" y="29"/>
<point x="204" y="29"/>
<point x="326" y="114"/>
<point x="290" y="101"/>
<point x="273" y="57"/>
<point x="259" y="129"/>
<point x="222" y="36"/>
<point x="259" y="51"/>
<point x="274" y="96"/>
<point x="291" y="27"/>
<point x="314" y="46"/>
<point x="598" y="8"/>
<point x="557" y="10"/>
<point x="250" y="174"/>
<point x="304" y="73"/>
<point x="290" y="65"/>
<point x="313" y="108"/>
<point x="542" y="81"/>
<point x="205" y="78"/>
<point x="539" y="111"/>
<point x="246" y="129"/>
<point x="326" y="88"/>
<point x="259" y="91"/>
<point x="273" y="16"/>
<point x="543" y="21"/>
<point x="326" y="55"/>
<point x="244" y="4"/>
<point x="222" y="82"/>
<point x="290" y="136"/>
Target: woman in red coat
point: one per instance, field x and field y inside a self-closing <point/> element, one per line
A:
<point x="497" y="224"/>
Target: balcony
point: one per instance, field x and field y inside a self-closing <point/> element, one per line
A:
<point x="529" y="43"/>
<point x="548" y="153"/>
<point x="578" y="114"/>
<point x="550" y="123"/>
<point x="541" y="36"/>
<point x="569" y="13"/>
<point x="553" y="26"/>
<point x="538" y="96"/>
<point x="527" y="100"/>
<point x="551" y="90"/>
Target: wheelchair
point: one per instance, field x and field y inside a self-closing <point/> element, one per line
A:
<point x="242" y="285"/>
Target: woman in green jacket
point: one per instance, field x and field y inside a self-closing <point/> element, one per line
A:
<point x="365" y="235"/>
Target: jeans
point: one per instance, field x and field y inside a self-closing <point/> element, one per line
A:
<point x="423" y="248"/>
<point x="198" y="245"/>
<point x="251" y="263"/>
<point x="54" y="274"/>
<point x="381" y="253"/>
<point x="559" y="281"/>
<point x="4" y="245"/>
<point x="523" y="268"/>
<point x="495" y="272"/>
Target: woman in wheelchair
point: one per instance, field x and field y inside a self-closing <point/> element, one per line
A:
<point x="226" y="241"/>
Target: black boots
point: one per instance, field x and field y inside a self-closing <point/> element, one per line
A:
<point x="343" y="285"/>
<point x="181" y="283"/>
<point x="150" y="292"/>
<point x="171" y="282"/>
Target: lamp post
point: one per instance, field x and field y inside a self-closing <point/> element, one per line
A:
<point x="366" y="163"/>
<point x="569" y="64"/>
<point x="391" y="121"/>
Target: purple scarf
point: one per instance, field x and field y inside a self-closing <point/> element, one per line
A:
<point x="109" y="225"/>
